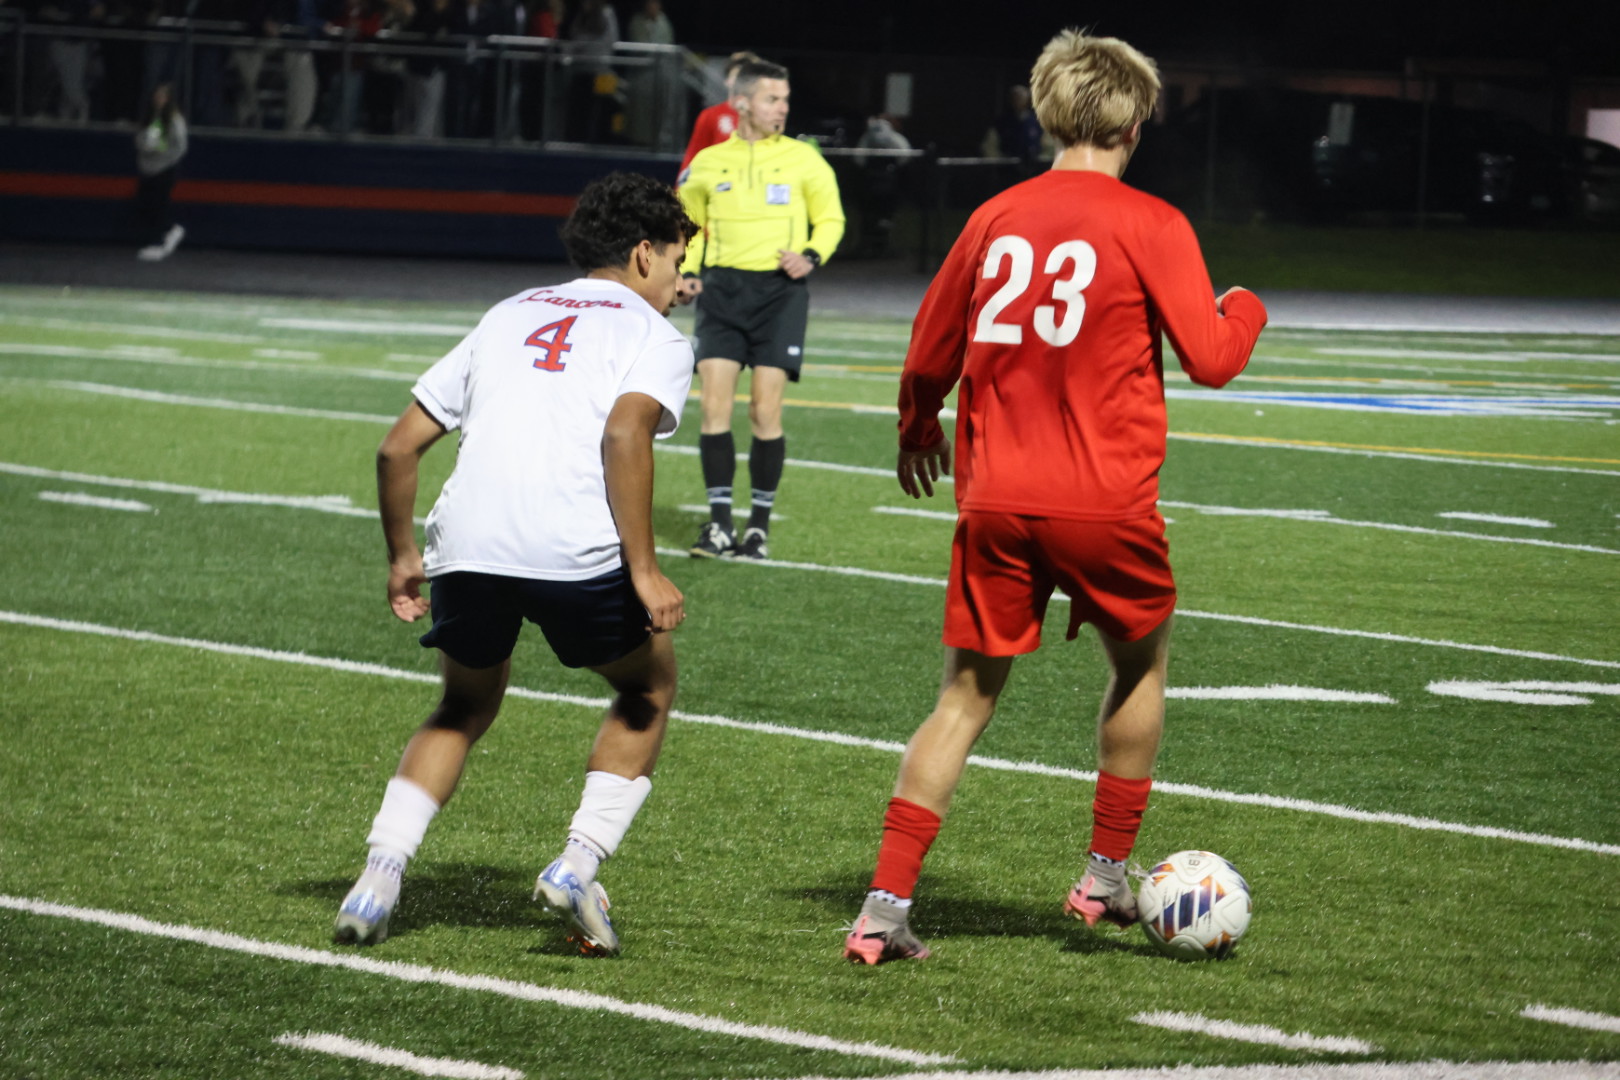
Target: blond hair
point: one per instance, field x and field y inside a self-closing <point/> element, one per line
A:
<point x="1092" y="90"/>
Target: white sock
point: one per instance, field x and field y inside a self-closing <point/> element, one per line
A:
<point x="582" y="858"/>
<point x="1110" y="872"/>
<point x="899" y="903"/>
<point x="606" y="809"/>
<point x="399" y="826"/>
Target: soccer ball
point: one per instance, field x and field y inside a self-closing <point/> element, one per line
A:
<point x="1195" y="906"/>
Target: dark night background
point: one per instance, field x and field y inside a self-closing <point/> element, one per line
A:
<point x="1582" y="36"/>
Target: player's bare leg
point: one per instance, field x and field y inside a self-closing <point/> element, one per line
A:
<point x="1129" y="728"/>
<point x="717" y="378"/>
<point x="938" y="752"/>
<point x="617" y="782"/>
<point x="437" y="753"/>
<point x="428" y="773"/>
<point x="929" y="773"/>
<point x="766" y="457"/>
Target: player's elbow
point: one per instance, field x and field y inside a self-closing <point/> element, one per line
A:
<point x="1213" y="379"/>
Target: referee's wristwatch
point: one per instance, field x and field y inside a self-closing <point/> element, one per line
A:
<point x="813" y="255"/>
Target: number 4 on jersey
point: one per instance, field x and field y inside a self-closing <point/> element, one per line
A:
<point x="556" y="347"/>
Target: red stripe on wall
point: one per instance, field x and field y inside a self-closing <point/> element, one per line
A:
<point x="323" y="196"/>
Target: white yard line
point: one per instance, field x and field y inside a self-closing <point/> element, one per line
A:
<point x="1496" y="519"/>
<point x="1325" y="517"/>
<point x="1360" y="1070"/>
<point x="338" y="504"/>
<point x="341" y="1046"/>
<point x="858" y="409"/>
<point x="1591" y="1021"/>
<point x="419" y="973"/>
<point x="998" y="764"/>
<point x="1438" y="459"/>
<point x="168" y="358"/>
<point x="381" y="329"/>
<point x="158" y="398"/>
<point x="1253" y="1033"/>
<point x="1486" y="356"/>
<point x="326" y="504"/>
<point x="75" y="498"/>
<point x="1275" y="692"/>
<point x="135" y="329"/>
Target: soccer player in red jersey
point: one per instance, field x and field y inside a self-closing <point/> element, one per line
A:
<point x="1048" y="314"/>
<point x="716" y="123"/>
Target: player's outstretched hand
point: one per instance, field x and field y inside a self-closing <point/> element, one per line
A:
<point x="919" y="469"/>
<point x="793" y="264"/>
<point x="405" y="581"/>
<point x="1220" y="301"/>
<point x="688" y="289"/>
<point x="666" y="607"/>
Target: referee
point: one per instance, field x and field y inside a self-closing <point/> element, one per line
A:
<point x="770" y="213"/>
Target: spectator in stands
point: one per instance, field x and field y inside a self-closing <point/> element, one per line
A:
<point x="160" y="144"/>
<point x="425" y="74"/>
<point x="384" y="90"/>
<point x="650" y="87"/>
<point x="1016" y="132"/>
<point x="71" y="57"/>
<point x="594" y="89"/>
<point x="716" y="123"/>
<point x="307" y="23"/>
<point x="880" y="196"/>
<point x="472" y="81"/>
<point x="209" y="73"/>
<point x="546" y="20"/>
<point x="650" y="26"/>
<point x="264" y="20"/>
<point x="358" y="20"/>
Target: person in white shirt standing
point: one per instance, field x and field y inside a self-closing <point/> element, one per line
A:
<point x="557" y="396"/>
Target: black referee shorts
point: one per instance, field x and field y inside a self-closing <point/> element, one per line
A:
<point x="755" y="317"/>
<point x="477" y="617"/>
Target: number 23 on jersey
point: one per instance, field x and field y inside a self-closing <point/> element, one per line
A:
<point x="1079" y="257"/>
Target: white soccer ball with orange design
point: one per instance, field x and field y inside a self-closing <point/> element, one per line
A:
<point x="1195" y="906"/>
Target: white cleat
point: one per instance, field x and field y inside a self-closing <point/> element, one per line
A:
<point x="585" y="907"/>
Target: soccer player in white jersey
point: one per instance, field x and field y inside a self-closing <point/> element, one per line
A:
<point x="557" y="396"/>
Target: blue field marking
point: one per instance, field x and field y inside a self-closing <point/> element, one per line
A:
<point x="1562" y="406"/>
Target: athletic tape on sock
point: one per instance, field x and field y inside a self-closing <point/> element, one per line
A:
<point x="606" y="809"/>
<point x="403" y="820"/>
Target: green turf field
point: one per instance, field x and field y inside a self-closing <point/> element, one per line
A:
<point x="202" y="693"/>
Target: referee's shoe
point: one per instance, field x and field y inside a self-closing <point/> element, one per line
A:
<point x="714" y="542"/>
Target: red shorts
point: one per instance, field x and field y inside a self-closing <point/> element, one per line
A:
<point x="1004" y="567"/>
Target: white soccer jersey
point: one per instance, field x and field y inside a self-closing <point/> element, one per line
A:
<point x="530" y="390"/>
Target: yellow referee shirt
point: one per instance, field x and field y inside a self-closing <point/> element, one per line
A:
<point x="753" y="198"/>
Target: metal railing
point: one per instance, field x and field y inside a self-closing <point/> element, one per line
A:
<point x="505" y="90"/>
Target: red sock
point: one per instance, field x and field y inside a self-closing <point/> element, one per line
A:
<point x="908" y="832"/>
<point x="1116" y="814"/>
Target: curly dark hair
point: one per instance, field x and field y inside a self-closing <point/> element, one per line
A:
<point x="619" y="211"/>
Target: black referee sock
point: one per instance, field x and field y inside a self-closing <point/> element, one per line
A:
<point x="719" y="456"/>
<point x="765" y="458"/>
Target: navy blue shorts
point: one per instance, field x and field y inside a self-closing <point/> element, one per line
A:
<point x="476" y="617"/>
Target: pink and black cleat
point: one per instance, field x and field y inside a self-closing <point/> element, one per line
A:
<point x="1091" y="902"/>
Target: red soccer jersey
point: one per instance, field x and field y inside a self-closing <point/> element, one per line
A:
<point x="1049" y="310"/>
<point x="713" y="125"/>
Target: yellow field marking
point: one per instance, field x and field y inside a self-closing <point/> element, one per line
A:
<point x="1374" y="380"/>
<point x="1255" y="440"/>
